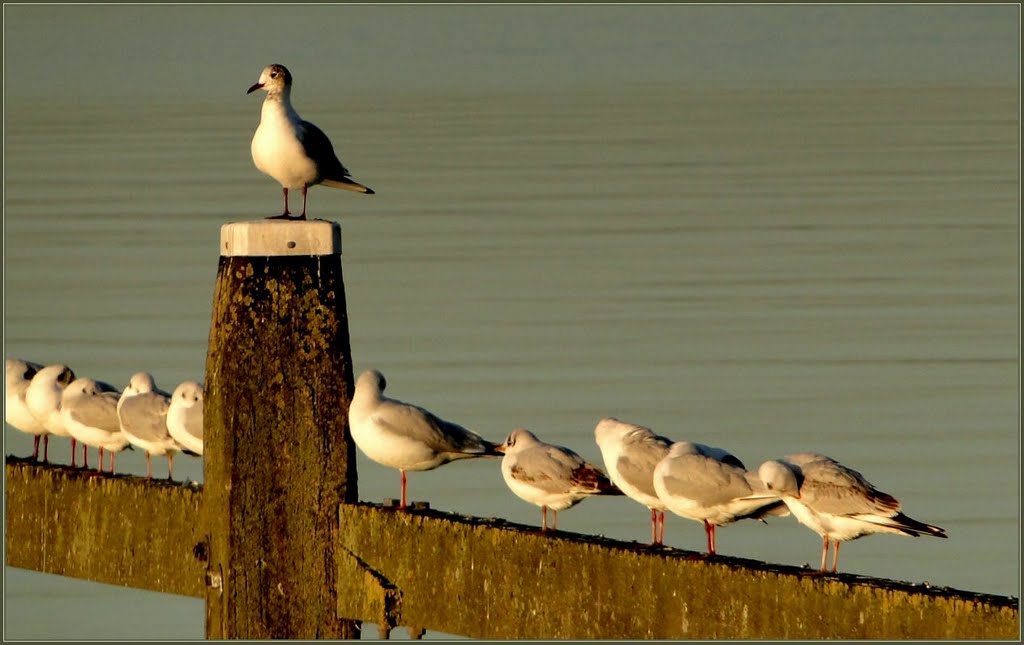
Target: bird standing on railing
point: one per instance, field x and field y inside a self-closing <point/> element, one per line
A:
<point x="405" y="436"/>
<point x="89" y="410"/>
<point x="711" y="486"/>
<point x="18" y="376"/>
<point x="142" y="412"/>
<point x="837" y="502"/>
<point x="630" y="454"/>
<point x="552" y="477"/>
<point x="294" y="152"/>
<point x="185" y="416"/>
<point x="43" y="399"/>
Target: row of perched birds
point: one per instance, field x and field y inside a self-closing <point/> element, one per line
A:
<point x="692" y="480"/>
<point x="52" y="400"/>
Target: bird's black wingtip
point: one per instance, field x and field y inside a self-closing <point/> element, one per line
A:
<point x="370" y="191"/>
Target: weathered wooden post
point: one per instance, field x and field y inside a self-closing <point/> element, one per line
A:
<point x="278" y="458"/>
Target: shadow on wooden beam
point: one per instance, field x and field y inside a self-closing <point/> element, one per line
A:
<point x="119" y="530"/>
<point x="497" y="580"/>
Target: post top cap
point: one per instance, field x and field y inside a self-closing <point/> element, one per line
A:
<point x="271" y="237"/>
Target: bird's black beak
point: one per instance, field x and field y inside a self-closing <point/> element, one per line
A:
<point x="254" y="88"/>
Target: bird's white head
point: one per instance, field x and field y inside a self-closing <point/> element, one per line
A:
<point x="275" y="80"/>
<point x="140" y="383"/>
<point x="780" y="478"/>
<point x="189" y="393"/>
<point x="371" y="382"/>
<point x="83" y="386"/>
<point x="609" y="430"/>
<point x="19" y="370"/>
<point x="58" y="375"/>
<point x="518" y="439"/>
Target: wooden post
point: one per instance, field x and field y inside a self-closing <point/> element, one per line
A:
<point x="278" y="458"/>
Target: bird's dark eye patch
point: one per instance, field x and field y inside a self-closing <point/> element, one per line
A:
<point x="273" y="75"/>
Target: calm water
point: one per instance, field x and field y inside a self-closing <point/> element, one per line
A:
<point x="768" y="269"/>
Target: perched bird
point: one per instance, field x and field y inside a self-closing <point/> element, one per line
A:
<point x="43" y="398"/>
<point x="630" y="454"/>
<point x="185" y="416"/>
<point x="836" y="502"/>
<point x="19" y="375"/>
<point x="699" y="483"/>
<point x="89" y="410"/>
<point x="405" y="436"/>
<point x="549" y="476"/>
<point x="142" y="413"/>
<point x="294" y="152"/>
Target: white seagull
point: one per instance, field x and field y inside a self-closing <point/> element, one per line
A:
<point x="836" y="502"/>
<point x="405" y="436"/>
<point x="630" y="454"/>
<point x="19" y="375"/>
<point x="696" y="482"/>
<point x="549" y="476"/>
<point x="294" y="152"/>
<point x="185" y="416"/>
<point x="142" y="413"/>
<point x="89" y="410"/>
<point x="43" y="399"/>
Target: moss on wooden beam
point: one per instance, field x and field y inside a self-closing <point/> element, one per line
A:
<point x="119" y="530"/>
<point x="497" y="580"/>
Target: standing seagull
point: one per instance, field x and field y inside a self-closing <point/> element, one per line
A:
<point x="43" y="398"/>
<point x="836" y="502"/>
<point x="549" y="476"/>
<point x="185" y="416"/>
<point x="142" y="413"/>
<point x="697" y="483"/>
<point x="19" y="375"/>
<point x="294" y="152"/>
<point x="90" y="415"/>
<point x="631" y="453"/>
<point x="405" y="436"/>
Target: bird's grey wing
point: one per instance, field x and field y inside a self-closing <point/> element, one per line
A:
<point x="96" y="412"/>
<point x="145" y="417"/>
<point x="830" y="487"/>
<point x="417" y="423"/>
<point x="318" y="147"/>
<point x="546" y="467"/>
<point x="582" y="475"/>
<point x="705" y="480"/>
<point x="639" y="455"/>
<point x="193" y="420"/>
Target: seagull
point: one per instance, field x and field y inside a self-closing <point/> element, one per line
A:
<point x="630" y="454"/>
<point x="837" y="502"/>
<point x="142" y="413"/>
<point x="549" y="476"/>
<point x="294" y="152"/>
<point x="405" y="436"/>
<point x="185" y="416"/>
<point x="697" y="483"/>
<point x="19" y="375"/>
<point x="89" y="410"/>
<point x="43" y="399"/>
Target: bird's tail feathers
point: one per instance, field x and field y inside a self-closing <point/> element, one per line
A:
<point x="348" y="184"/>
<point x="900" y="523"/>
<point x="915" y="528"/>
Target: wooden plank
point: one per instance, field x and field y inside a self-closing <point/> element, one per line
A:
<point x="278" y="458"/>
<point x="119" y="530"/>
<point x="496" y="580"/>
